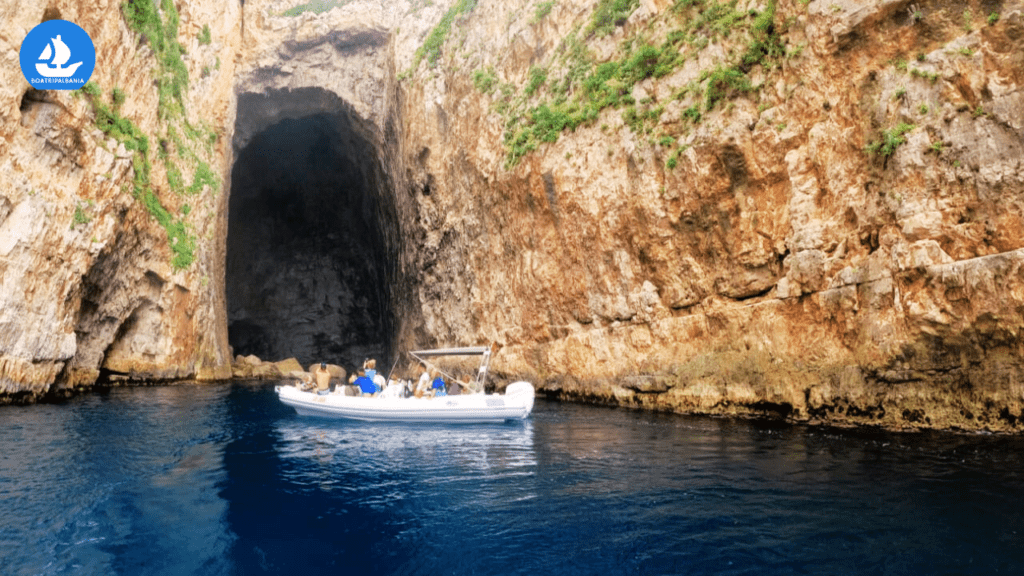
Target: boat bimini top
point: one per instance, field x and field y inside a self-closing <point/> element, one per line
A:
<point x="484" y="351"/>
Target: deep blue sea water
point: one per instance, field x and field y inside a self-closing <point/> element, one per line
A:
<point x="222" y="479"/>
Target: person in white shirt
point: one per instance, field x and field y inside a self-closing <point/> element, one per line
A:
<point x="423" y="384"/>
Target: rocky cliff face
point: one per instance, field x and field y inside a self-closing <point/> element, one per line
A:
<point x="807" y="209"/>
<point x="112" y="208"/>
<point x="818" y="218"/>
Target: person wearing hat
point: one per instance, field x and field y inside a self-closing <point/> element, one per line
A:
<point x="323" y="379"/>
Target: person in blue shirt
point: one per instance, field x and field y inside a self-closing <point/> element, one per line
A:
<point x="438" y="386"/>
<point x="366" y="386"/>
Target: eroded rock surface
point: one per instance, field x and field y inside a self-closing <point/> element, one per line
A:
<point x="88" y="281"/>
<point x="825" y="226"/>
<point x="758" y="260"/>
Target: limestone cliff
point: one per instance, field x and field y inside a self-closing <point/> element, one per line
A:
<point x="111" y="203"/>
<point x="803" y="208"/>
<point x="820" y="217"/>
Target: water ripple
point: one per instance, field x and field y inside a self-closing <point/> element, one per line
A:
<point x="225" y="480"/>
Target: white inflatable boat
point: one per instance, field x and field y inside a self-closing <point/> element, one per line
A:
<point x="515" y="404"/>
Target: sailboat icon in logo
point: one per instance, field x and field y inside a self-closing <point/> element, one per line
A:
<point x="61" y="54"/>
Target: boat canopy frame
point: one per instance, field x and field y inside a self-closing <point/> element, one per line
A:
<point x="485" y="362"/>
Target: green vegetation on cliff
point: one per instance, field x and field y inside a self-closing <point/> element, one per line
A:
<point x="542" y="10"/>
<point x="111" y="123"/>
<point x="158" y="27"/>
<point x="161" y="34"/>
<point x="485" y="80"/>
<point x="572" y="88"/>
<point x="81" y="216"/>
<point x="431" y="49"/>
<point x="890" y="140"/>
<point x="314" y="6"/>
<point x="205" y="37"/>
<point x="609" y="14"/>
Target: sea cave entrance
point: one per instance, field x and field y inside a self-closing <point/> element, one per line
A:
<point x="309" y="268"/>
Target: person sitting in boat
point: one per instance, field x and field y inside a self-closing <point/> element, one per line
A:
<point x="370" y="368"/>
<point x="459" y="386"/>
<point x="305" y="383"/>
<point x="351" y="389"/>
<point x="323" y="379"/>
<point x="393" y="390"/>
<point x="366" y="386"/>
<point x="438" y="385"/>
<point x="380" y="381"/>
<point x="423" y="384"/>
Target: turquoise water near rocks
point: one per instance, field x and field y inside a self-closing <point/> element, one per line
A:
<point x="223" y="479"/>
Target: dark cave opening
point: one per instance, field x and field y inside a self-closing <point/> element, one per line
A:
<point x="307" y="261"/>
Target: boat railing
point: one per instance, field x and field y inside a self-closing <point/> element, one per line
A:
<point x="481" y="376"/>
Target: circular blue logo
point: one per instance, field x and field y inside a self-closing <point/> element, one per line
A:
<point x="57" y="55"/>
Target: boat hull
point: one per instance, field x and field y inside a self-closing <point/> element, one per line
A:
<point x="515" y="404"/>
